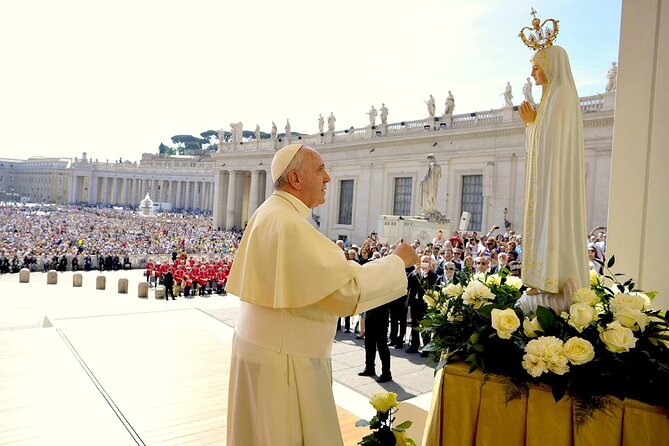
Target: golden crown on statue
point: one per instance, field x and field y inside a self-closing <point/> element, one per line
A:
<point x="539" y="37"/>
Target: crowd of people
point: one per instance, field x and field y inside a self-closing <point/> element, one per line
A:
<point x="442" y="261"/>
<point x="64" y="237"/>
<point x="188" y="277"/>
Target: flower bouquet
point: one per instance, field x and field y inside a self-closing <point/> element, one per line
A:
<point x="384" y="434"/>
<point x="611" y="343"/>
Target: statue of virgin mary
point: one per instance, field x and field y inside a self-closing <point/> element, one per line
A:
<point x="554" y="262"/>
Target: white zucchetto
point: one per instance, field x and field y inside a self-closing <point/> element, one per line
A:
<point x="282" y="159"/>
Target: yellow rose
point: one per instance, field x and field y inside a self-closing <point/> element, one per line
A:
<point x="493" y="280"/>
<point x="430" y="298"/>
<point x="585" y="296"/>
<point x="400" y="437"/>
<point x="579" y="351"/>
<point x="383" y="402"/>
<point x="595" y="279"/>
<point x="505" y="322"/>
<point x="530" y="326"/>
<point x="617" y="338"/>
<point x="581" y="315"/>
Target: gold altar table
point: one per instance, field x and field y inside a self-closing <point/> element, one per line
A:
<point x="466" y="412"/>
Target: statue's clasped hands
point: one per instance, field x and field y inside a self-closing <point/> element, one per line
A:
<point x="527" y="113"/>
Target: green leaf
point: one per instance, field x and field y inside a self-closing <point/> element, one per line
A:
<point x="404" y="425"/>
<point x="361" y="423"/>
<point x="611" y="261"/>
<point x="549" y="321"/>
<point x="486" y="310"/>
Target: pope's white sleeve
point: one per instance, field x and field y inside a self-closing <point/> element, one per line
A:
<point x="378" y="282"/>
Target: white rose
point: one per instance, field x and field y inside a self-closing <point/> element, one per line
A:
<point x="514" y="281"/>
<point x="629" y="317"/>
<point x="505" y="322"/>
<point x="581" y="315"/>
<point x="629" y="300"/>
<point x="493" y="280"/>
<point x="551" y="352"/>
<point x="578" y="350"/>
<point x="476" y="294"/>
<point x="454" y="290"/>
<point x="617" y="338"/>
<point x="585" y="296"/>
<point x="554" y="355"/>
<point x="647" y="302"/>
<point x="534" y="365"/>
<point x="530" y="326"/>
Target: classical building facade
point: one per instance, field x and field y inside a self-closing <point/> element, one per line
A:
<point x="376" y="170"/>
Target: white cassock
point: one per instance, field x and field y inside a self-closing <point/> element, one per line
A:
<point x="554" y="233"/>
<point x="293" y="283"/>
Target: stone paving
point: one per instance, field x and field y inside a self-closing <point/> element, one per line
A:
<point x="26" y="305"/>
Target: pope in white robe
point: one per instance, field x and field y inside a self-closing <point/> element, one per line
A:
<point x="293" y="283"/>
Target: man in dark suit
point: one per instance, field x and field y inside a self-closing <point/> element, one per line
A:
<point x="168" y="282"/>
<point x="423" y="278"/>
<point x="376" y="338"/>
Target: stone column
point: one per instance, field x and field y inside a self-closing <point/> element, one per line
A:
<point x="212" y="195"/>
<point x="231" y="212"/>
<point x="72" y="192"/>
<point x="92" y="189"/>
<point x="638" y="211"/>
<point x="124" y="191"/>
<point x="155" y="195"/>
<point x="114" y="188"/>
<point x="269" y="184"/>
<point x="145" y="189"/>
<point x="173" y="193"/>
<point x="189" y="195"/>
<point x="134" y="192"/>
<point x="253" y="193"/>
<point x="178" y="203"/>
<point x="219" y="200"/>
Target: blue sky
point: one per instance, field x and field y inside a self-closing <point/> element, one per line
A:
<point x="116" y="79"/>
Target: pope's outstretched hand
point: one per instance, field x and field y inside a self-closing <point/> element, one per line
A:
<point x="405" y="252"/>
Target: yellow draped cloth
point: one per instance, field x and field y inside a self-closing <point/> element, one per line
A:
<point x="465" y="411"/>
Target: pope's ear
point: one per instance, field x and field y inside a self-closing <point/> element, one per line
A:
<point x="294" y="180"/>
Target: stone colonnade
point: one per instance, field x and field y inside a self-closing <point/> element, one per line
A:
<point x="238" y="194"/>
<point x="129" y="191"/>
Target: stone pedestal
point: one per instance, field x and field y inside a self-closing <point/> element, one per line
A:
<point x="160" y="292"/>
<point x="24" y="275"/>
<point x="609" y="100"/>
<point x="393" y="227"/>
<point x="100" y="283"/>
<point x="507" y="114"/>
<point x="52" y="277"/>
<point x="77" y="280"/>
<point x="123" y="286"/>
<point x="143" y="289"/>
